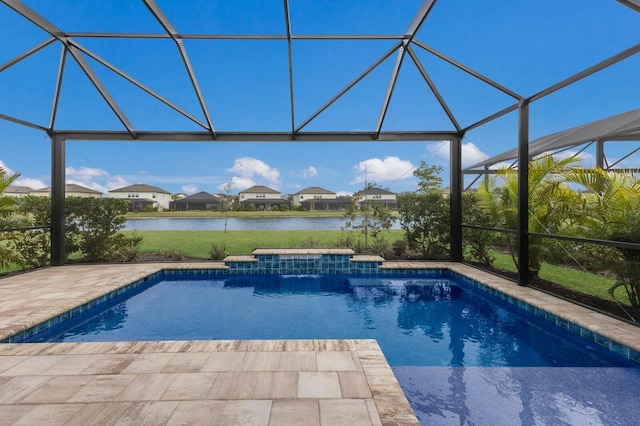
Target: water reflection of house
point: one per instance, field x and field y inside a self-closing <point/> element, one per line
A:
<point x="316" y="198"/>
<point x="141" y="195"/>
<point x="70" y="190"/>
<point x="202" y="201"/>
<point x="261" y="196"/>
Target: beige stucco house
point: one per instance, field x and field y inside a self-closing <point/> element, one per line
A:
<point x="17" y="191"/>
<point x="143" y="194"/>
<point x="261" y="196"/>
<point x="379" y="195"/>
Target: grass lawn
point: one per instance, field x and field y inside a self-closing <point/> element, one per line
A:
<point x="574" y="279"/>
<point x="198" y="243"/>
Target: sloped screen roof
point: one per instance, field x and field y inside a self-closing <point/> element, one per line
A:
<point x="245" y="70"/>
<point x="624" y="126"/>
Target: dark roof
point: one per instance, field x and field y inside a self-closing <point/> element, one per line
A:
<point x="314" y="190"/>
<point x="140" y="187"/>
<point x="70" y="187"/>
<point x="259" y="189"/>
<point x="201" y="196"/>
<point x="376" y="190"/>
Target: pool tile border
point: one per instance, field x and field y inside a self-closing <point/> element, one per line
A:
<point x="471" y="276"/>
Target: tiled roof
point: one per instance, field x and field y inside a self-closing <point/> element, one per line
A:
<point x="314" y="190"/>
<point x="70" y="187"/>
<point x="259" y="189"/>
<point x="140" y="187"/>
<point x="376" y="190"/>
<point x="200" y="196"/>
<point x="16" y="189"/>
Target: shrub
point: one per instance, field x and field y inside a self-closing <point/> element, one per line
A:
<point x="311" y="242"/>
<point x="399" y="247"/>
<point x="218" y="251"/>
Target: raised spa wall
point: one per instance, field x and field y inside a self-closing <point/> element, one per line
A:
<point x="304" y="261"/>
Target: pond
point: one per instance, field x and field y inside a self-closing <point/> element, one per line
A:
<point x="238" y="224"/>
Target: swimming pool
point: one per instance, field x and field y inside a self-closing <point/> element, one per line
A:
<point x="418" y="320"/>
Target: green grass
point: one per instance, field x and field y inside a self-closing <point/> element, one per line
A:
<point x="197" y="243"/>
<point x="571" y="278"/>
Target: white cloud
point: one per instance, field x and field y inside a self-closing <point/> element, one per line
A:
<point x="377" y="170"/>
<point x="344" y="194"/>
<point x="471" y="154"/>
<point x="31" y="183"/>
<point x="238" y="183"/>
<point x="6" y="168"/>
<point x="95" y="178"/>
<point x="310" y="172"/>
<point x="88" y="184"/>
<point x="248" y="168"/>
<point x="190" y="189"/>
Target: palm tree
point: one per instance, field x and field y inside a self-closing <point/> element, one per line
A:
<point x="552" y="205"/>
<point x="612" y="211"/>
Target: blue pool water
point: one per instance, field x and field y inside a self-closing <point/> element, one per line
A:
<point x="417" y="321"/>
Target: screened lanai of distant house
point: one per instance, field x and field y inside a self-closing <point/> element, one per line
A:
<point x="402" y="72"/>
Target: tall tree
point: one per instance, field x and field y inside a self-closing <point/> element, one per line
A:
<point x="424" y="214"/>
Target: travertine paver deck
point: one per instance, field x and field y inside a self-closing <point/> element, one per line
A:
<point x="224" y="382"/>
<point x="271" y="382"/>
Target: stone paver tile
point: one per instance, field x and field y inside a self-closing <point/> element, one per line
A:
<point x="234" y="385"/>
<point x="224" y="361"/>
<point x="302" y="412"/>
<point x="57" y="390"/>
<point x="297" y="361"/>
<point x="189" y="413"/>
<point x="109" y="364"/>
<point x="19" y="387"/>
<point x="100" y="413"/>
<point x="13" y="413"/>
<point x="147" y="387"/>
<point x="149" y="363"/>
<point x="7" y="362"/>
<point x="335" y="361"/>
<point x="72" y="365"/>
<point x="103" y="388"/>
<point x="48" y="414"/>
<point x="148" y="413"/>
<point x="353" y="384"/>
<point x="33" y="365"/>
<point x="276" y="385"/>
<point x="373" y="412"/>
<point x="321" y="384"/>
<point x="261" y="361"/>
<point x="190" y="386"/>
<point x="240" y="413"/>
<point x="186" y="362"/>
<point x="352" y="412"/>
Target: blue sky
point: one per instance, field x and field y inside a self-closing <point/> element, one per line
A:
<point x="525" y="46"/>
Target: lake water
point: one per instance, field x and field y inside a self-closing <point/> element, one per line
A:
<point x="238" y="224"/>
